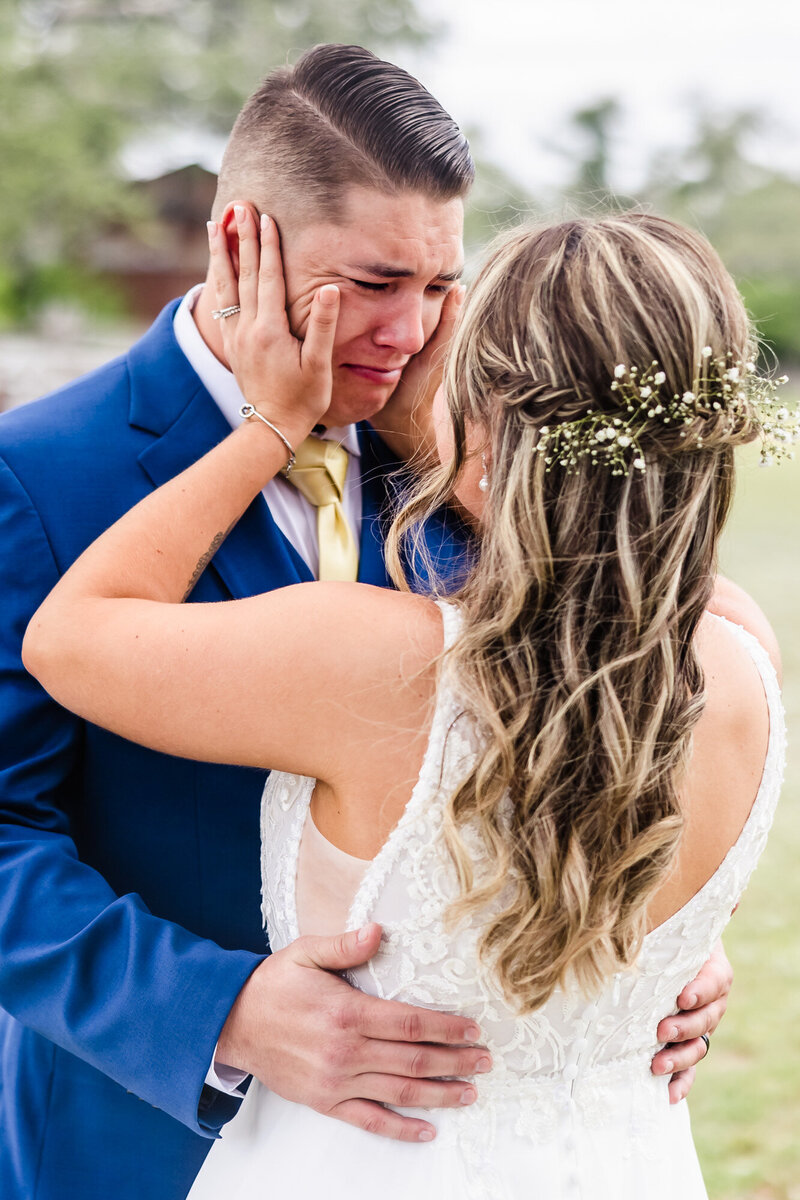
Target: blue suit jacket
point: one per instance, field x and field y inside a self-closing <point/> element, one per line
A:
<point x="129" y="880"/>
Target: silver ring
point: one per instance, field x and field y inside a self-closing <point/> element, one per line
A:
<point x="222" y="313"/>
<point x="707" y="1041"/>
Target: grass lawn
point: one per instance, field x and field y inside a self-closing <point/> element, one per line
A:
<point x="746" y="1103"/>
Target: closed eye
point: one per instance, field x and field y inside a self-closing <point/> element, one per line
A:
<point x="437" y="289"/>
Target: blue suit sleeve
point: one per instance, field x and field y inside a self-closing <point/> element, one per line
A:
<point x="137" y="997"/>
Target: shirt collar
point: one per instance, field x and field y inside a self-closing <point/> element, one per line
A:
<point x="220" y="383"/>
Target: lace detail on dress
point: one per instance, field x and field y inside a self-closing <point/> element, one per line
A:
<point x="574" y="1065"/>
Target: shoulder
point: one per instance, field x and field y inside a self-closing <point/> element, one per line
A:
<point x="735" y="604"/>
<point x="732" y="735"/>
<point x="734" y="688"/>
<point x="64" y="413"/>
<point x="372" y="623"/>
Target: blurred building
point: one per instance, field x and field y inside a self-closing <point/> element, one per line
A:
<point x="151" y="261"/>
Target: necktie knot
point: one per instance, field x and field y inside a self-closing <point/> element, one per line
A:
<point x="319" y="471"/>
<point x="319" y="474"/>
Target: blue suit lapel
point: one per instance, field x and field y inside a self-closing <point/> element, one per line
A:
<point x="449" y="541"/>
<point x="376" y="509"/>
<point x="168" y="400"/>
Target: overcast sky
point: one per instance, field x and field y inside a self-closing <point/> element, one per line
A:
<point x="519" y="67"/>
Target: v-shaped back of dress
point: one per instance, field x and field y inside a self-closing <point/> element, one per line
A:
<point x="570" y="1108"/>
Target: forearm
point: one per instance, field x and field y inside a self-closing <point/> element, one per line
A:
<point x="158" y="549"/>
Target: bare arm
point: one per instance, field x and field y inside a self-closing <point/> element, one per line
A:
<point x="230" y="682"/>
<point x="731" y="601"/>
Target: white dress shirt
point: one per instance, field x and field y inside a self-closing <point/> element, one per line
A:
<point x="293" y="514"/>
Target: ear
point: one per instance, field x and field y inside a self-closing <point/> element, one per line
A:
<point x="228" y="225"/>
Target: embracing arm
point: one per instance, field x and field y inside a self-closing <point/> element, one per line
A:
<point x="114" y="643"/>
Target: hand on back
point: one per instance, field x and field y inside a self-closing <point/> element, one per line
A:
<point x="313" y="1039"/>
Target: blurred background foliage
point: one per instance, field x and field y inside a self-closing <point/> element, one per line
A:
<point x="81" y="81"/>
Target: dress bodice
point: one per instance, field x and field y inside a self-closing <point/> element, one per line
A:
<point x="573" y="1066"/>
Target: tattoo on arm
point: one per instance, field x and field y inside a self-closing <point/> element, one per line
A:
<point x="216" y="542"/>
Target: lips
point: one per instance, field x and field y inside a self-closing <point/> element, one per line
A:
<point x="385" y="375"/>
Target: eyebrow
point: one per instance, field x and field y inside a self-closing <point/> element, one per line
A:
<point x="385" y="271"/>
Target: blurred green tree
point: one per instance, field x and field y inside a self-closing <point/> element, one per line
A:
<point x="78" y="78"/>
<point x="750" y="213"/>
<point x="588" y="145"/>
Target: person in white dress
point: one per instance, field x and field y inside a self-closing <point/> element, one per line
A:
<point x="550" y="787"/>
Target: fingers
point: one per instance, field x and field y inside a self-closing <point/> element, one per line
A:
<point x="679" y="1057"/>
<point x="416" y="1093"/>
<point x="249" y="254"/>
<point x="423" y="1061"/>
<point x="321" y="330"/>
<point x="223" y="276"/>
<point x="712" y="984"/>
<point x="451" y="311"/>
<point x="370" y="1017"/>
<point x="375" y="1119"/>
<point x="342" y="951"/>
<point x="434" y="352"/>
<point x="389" y="1020"/>
<point x="271" y="284"/>
<point x="685" y="1027"/>
<point x="680" y="1085"/>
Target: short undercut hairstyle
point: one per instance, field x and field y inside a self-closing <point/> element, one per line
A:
<point x="340" y="117"/>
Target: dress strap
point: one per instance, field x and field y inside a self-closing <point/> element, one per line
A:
<point x="451" y="621"/>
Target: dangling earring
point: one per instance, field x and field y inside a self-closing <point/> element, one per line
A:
<point x="483" y="482"/>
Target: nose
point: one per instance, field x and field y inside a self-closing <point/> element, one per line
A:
<point x="401" y="326"/>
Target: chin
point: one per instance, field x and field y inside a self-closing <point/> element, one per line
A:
<point x="348" y="409"/>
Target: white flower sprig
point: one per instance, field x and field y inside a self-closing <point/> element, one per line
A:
<point x="722" y="387"/>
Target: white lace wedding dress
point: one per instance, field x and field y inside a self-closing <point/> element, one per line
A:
<point x="570" y="1110"/>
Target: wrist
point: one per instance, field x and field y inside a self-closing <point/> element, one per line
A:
<point x="278" y="433"/>
<point x="288" y="429"/>
<point x="234" y="1047"/>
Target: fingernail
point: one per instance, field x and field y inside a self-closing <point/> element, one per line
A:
<point x="691" y="1002"/>
<point x="264" y="221"/>
<point x="468" y="1096"/>
<point x="211" y="226"/>
<point x="238" y="210"/>
<point x="363" y="933"/>
<point x="328" y="294"/>
<point x="472" y="1033"/>
<point x="668" y="1067"/>
<point x="673" y="1034"/>
<point x="482" y="1065"/>
<point x="426" y="1135"/>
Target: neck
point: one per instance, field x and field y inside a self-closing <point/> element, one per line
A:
<point x="208" y="328"/>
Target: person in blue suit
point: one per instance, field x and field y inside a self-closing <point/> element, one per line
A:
<point x="136" y="988"/>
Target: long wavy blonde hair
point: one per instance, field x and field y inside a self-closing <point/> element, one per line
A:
<point x="576" y="655"/>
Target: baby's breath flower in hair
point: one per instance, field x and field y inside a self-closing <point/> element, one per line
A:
<point x="730" y="395"/>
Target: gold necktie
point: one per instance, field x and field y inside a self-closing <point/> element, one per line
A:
<point x="319" y="474"/>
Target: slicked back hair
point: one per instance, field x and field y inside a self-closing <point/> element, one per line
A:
<point x="340" y="117"/>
